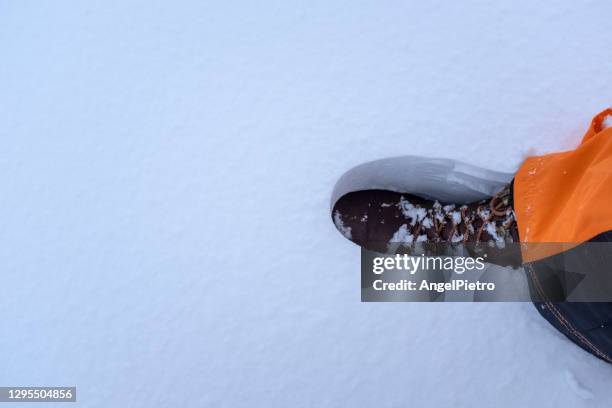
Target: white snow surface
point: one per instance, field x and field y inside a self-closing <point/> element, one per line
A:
<point x="166" y="171"/>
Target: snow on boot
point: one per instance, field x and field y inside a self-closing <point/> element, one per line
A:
<point x="558" y="204"/>
<point x="375" y="218"/>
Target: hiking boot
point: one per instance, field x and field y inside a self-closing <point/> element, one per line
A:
<point x="374" y="219"/>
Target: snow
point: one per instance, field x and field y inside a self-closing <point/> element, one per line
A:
<point x="344" y="230"/>
<point x="456" y="215"/>
<point x="412" y="212"/>
<point x="457" y="238"/>
<point x="166" y="169"/>
<point x="421" y="238"/>
<point x="607" y="122"/>
<point x="492" y="231"/>
<point x="402" y="235"/>
<point x="578" y="388"/>
<point x="484" y="213"/>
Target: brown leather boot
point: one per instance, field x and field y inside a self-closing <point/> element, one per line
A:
<point x="371" y="218"/>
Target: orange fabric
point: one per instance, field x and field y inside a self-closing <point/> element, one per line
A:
<point x="565" y="198"/>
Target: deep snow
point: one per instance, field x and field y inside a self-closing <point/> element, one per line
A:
<point x="166" y="170"/>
